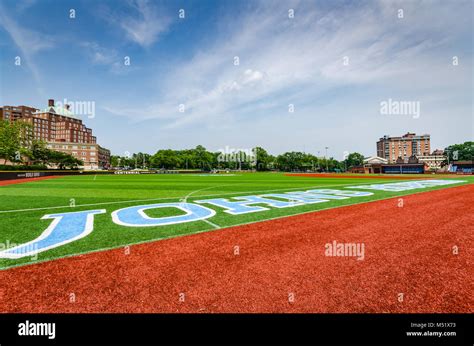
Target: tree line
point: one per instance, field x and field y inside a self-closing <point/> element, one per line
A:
<point x="18" y="146"/>
<point x="256" y="159"/>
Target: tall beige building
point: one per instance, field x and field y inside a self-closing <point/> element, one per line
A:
<point x="392" y="148"/>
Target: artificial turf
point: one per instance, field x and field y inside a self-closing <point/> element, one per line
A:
<point x="23" y="205"/>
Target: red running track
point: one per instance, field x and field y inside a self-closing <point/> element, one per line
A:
<point x="25" y="180"/>
<point x="407" y="250"/>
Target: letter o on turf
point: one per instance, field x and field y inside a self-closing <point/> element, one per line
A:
<point x="136" y="217"/>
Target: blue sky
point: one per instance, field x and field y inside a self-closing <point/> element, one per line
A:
<point x="334" y="61"/>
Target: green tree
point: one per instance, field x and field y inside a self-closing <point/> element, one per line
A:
<point x="460" y="152"/>
<point x="203" y="158"/>
<point x="165" y="159"/>
<point x="38" y="152"/>
<point x="115" y="160"/>
<point x="290" y="161"/>
<point x="13" y="138"/>
<point x="354" y="159"/>
<point x="263" y="159"/>
<point x="63" y="160"/>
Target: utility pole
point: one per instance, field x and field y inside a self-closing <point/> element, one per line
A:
<point x="327" y="163"/>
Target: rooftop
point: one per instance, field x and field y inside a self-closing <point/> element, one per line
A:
<point x="57" y="110"/>
<point x="52" y="108"/>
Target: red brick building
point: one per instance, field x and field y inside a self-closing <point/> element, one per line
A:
<point x="62" y="130"/>
<point x="392" y="148"/>
<point x="13" y="113"/>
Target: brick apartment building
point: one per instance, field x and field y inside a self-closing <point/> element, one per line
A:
<point x="62" y="131"/>
<point x="392" y="148"/>
<point x="13" y="113"/>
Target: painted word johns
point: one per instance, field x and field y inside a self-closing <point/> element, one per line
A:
<point x="69" y="227"/>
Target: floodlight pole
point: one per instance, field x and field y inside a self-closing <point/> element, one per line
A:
<point x="326" y="157"/>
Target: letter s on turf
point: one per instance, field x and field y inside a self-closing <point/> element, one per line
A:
<point x="65" y="228"/>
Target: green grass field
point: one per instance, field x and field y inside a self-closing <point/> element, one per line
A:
<point x="23" y="205"/>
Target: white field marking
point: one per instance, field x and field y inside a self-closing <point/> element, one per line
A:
<point x="95" y="176"/>
<point x="219" y="175"/>
<point x="184" y="199"/>
<point x="206" y="188"/>
<point x="178" y="198"/>
<point x="223" y="228"/>
<point x="211" y="223"/>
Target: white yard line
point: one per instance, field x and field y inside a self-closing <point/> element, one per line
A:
<point x="212" y="224"/>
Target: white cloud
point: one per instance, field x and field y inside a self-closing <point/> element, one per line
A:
<point x="28" y="42"/>
<point x="300" y="60"/>
<point x="144" y="25"/>
<point x="98" y="54"/>
<point x="25" y="4"/>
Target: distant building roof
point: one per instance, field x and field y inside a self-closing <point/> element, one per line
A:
<point x="375" y="159"/>
<point x="58" y="110"/>
<point x="405" y="137"/>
